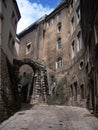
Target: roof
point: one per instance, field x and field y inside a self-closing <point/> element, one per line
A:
<point x="45" y="17"/>
<point x="58" y="8"/>
<point x="31" y="27"/>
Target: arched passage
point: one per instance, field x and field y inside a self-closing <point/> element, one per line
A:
<point x="38" y="79"/>
<point x="25" y="83"/>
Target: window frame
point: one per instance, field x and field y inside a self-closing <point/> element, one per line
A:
<point x="59" y="27"/>
<point x="72" y="4"/>
<point x="59" y="43"/>
<point x="79" y="40"/>
<point x="58" y="15"/>
<point x="73" y="50"/>
<point x="73" y="23"/>
<point x="28" y="50"/>
<point x="59" y="62"/>
<point x="48" y="23"/>
<point x="78" y="12"/>
<point x="53" y="20"/>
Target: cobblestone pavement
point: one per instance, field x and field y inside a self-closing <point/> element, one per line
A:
<point x="45" y="117"/>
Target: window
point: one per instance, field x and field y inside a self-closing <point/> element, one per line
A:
<point x="73" y="49"/>
<point x="59" y="62"/>
<point x="78" y="15"/>
<point x="11" y="44"/>
<point x="48" y="23"/>
<point x="59" y="27"/>
<point x="81" y="64"/>
<point x="58" y="15"/>
<point x="79" y="36"/>
<point x="53" y="20"/>
<point x="59" y="44"/>
<point x="73" y="23"/>
<point x="72" y="4"/>
<point x="44" y="32"/>
<point x="28" y="47"/>
<point x="96" y="34"/>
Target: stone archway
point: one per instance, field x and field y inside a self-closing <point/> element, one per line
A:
<point x="25" y="84"/>
<point x="40" y="85"/>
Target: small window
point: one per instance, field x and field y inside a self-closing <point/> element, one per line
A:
<point x="58" y="15"/>
<point x="59" y="62"/>
<point x="48" y="23"/>
<point x="73" y="23"/>
<point x="44" y="32"/>
<point x="78" y="14"/>
<point x="28" y="47"/>
<point x="79" y="37"/>
<point x="53" y="20"/>
<point x="81" y="65"/>
<point x="72" y="4"/>
<point x="11" y="44"/>
<point x="96" y="34"/>
<point x="59" y="27"/>
<point x="73" y="49"/>
<point x="59" y="44"/>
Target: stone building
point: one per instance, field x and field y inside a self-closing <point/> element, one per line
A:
<point x="66" y="42"/>
<point x="90" y="35"/>
<point x="9" y="16"/>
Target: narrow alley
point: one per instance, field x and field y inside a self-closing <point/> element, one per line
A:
<point x="51" y="117"/>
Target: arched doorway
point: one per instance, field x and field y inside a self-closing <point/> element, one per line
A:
<point x="38" y="79"/>
<point x="25" y="84"/>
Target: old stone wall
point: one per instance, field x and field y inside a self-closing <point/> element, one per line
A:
<point x="44" y="39"/>
<point x="77" y="82"/>
<point x="77" y="50"/>
<point x="59" y="91"/>
<point x="29" y="38"/>
<point x="7" y="103"/>
<point x="51" y="50"/>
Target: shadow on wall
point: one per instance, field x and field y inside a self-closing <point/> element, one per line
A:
<point x="60" y="91"/>
<point x="25" y="87"/>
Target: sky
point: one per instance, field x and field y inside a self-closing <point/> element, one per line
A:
<point x="32" y="10"/>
